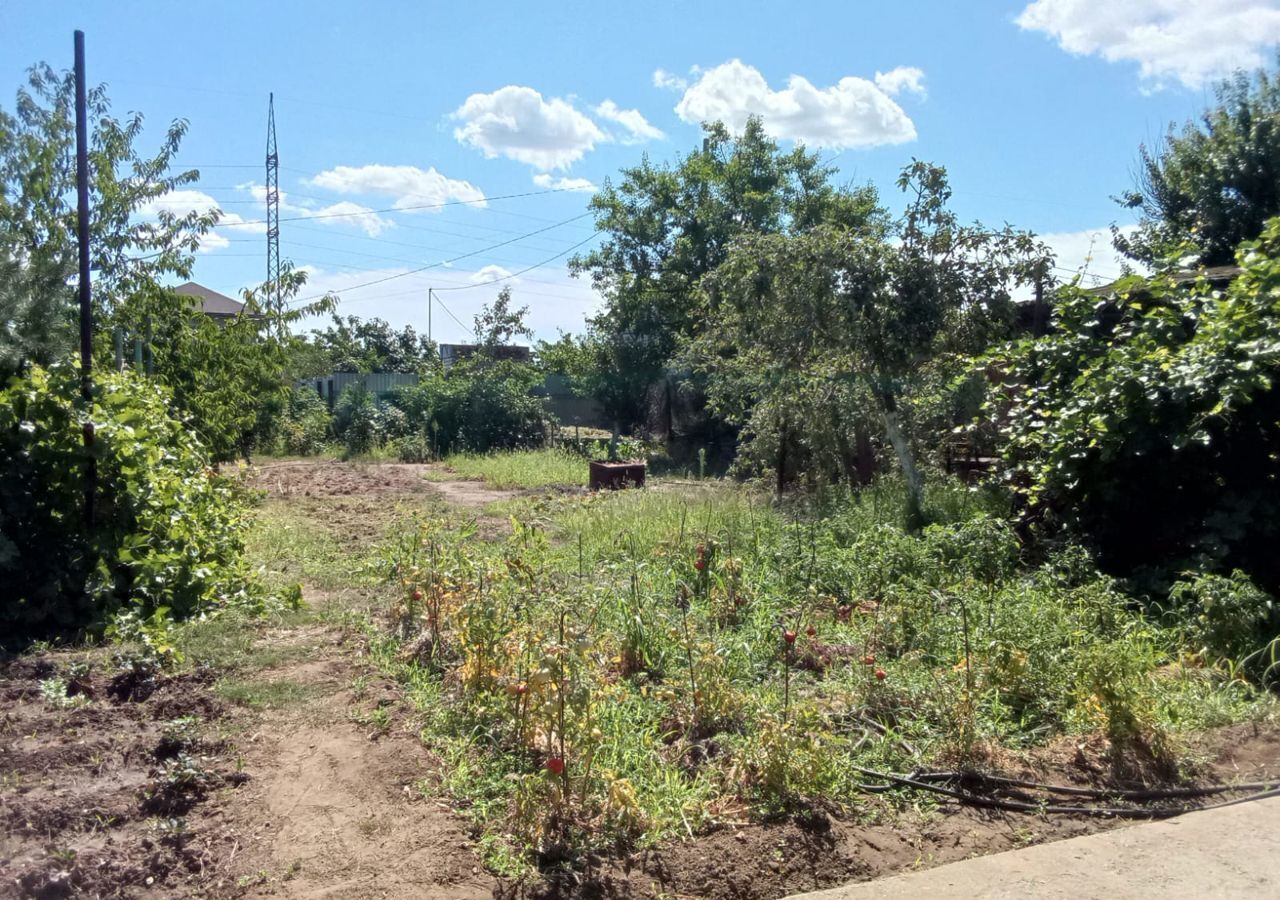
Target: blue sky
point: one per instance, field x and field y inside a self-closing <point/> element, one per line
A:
<point x="1036" y="109"/>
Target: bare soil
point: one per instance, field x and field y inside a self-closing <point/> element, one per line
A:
<point x="333" y="809"/>
<point x="90" y="804"/>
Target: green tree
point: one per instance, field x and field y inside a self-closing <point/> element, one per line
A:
<point x="667" y="226"/>
<point x="808" y="333"/>
<point x="352" y="344"/>
<point x="222" y="376"/>
<point x="1211" y="185"/>
<point x="134" y="243"/>
<point x="1148" y="422"/>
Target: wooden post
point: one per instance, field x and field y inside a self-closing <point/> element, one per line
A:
<point x="86" y="297"/>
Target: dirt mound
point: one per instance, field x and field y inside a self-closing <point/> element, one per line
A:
<point x="322" y="478"/>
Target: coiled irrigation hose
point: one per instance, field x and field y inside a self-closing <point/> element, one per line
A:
<point x="928" y="781"/>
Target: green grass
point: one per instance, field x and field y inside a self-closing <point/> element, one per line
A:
<point x="260" y="693"/>
<point x="520" y="469"/>
<point x="680" y="698"/>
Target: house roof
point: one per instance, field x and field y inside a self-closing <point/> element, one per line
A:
<point x="1213" y="274"/>
<point x="211" y="303"/>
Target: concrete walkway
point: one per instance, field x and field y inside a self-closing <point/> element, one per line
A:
<point x="1231" y="852"/>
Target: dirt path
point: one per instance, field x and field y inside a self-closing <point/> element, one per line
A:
<point x="332" y="809"/>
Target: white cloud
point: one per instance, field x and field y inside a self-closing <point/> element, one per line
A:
<point x="344" y="212"/>
<point x="564" y="184"/>
<point x="1189" y="41"/>
<point x="409" y="185"/>
<point x="854" y="112"/>
<point x="186" y="200"/>
<point x="516" y="122"/>
<point x="903" y="78"/>
<point x="668" y="82"/>
<point x="638" y="127"/>
<point x="490" y="273"/>
<point x="1088" y="252"/>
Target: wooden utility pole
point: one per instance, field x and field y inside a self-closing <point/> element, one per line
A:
<point x="86" y="297"/>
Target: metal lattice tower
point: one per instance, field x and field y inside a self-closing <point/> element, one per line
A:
<point x="273" y="207"/>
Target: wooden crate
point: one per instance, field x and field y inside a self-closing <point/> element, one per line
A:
<point x="614" y="475"/>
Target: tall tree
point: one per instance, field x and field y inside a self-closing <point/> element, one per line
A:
<point x="667" y="226"/>
<point x="134" y="241"/>
<point x="810" y="332"/>
<point x="1211" y="185"/>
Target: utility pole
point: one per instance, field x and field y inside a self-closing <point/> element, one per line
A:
<point x="86" y="297"/>
<point x="273" y="208"/>
<point x="430" y="296"/>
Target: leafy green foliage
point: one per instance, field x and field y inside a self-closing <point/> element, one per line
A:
<point x="1227" y="617"/>
<point x="850" y="318"/>
<point x="1146" y="421"/>
<point x="1209" y="187"/>
<point x="352" y="344"/>
<point x="668" y="226"/>
<point x="38" y="254"/>
<point x="166" y="538"/>
<point x="229" y="378"/>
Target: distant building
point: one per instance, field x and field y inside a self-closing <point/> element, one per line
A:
<point x="218" y="307"/>
<point x="451" y="353"/>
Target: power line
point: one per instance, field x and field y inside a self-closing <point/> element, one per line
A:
<point x="451" y="260"/>
<point x="467" y="287"/>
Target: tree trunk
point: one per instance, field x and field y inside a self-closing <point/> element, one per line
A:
<point x="906" y="459"/>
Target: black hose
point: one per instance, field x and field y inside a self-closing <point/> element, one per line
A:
<point x="1098" y="793"/>
<point x="1120" y="812"/>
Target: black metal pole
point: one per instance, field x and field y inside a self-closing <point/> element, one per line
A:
<point x="86" y="304"/>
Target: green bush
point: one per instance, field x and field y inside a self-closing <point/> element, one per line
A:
<point x="474" y="409"/>
<point x="166" y="537"/>
<point x="1226" y="617"/>
<point x="1147" y="422"/>
<point x="358" y="420"/>
<point x="295" y="423"/>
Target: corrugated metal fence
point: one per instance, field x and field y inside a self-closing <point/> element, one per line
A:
<point x="330" y="387"/>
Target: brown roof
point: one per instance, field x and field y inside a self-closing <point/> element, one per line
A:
<point x="1211" y="274"/>
<point x="211" y="302"/>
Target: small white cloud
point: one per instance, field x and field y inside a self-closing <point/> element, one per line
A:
<point x="490" y="273"/>
<point x="1188" y="41"/>
<point x="668" y="82"/>
<point x="638" y="127"/>
<point x="185" y="200"/>
<point x="425" y="189"/>
<point x="564" y="184"/>
<point x="854" y="112"/>
<point x="1088" y="252"/>
<point x="516" y="122"/>
<point x="344" y="212"/>
<point x="903" y="78"/>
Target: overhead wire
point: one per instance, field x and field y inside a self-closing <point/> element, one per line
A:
<point x="454" y="259"/>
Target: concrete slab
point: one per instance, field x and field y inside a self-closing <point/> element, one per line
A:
<point x="1231" y="852"/>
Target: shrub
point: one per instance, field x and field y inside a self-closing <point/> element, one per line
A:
<point x="1146" y="422"/>
<point x="1228" y="617"/>
<point x="474" y="409"/>
<point x="166" y="536"/>
<point x="358" y="420"/>
<point x="296" y="423"/>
